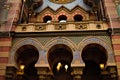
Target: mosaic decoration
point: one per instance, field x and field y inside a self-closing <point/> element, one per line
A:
<point x="60" y="40"/>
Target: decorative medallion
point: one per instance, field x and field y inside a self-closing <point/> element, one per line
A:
<point x="62" y="1"/>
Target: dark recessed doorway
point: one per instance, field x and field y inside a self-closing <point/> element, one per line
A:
<point x="26" y="57"/>
<point x="60" y="58"/>
<point x="95" y="58"/>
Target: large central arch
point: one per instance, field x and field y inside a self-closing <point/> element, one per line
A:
<point x="60" y="57"/>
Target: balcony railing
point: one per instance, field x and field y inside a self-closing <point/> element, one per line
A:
<point x="68" y="26"/>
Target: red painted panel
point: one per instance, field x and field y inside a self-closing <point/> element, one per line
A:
<point x="116" y="47"/>
<point x="117" y="58"/>
<point x="116" y="24"/>
<point x="119" y="77"/>
<point x="4" y="49"/>
<point x="116" y="37"/>
<point x="5" y="39"/>
<point x="2" y="77"/>
<point x="3" y="59"/>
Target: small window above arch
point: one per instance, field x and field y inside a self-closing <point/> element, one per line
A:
<point x="47" y="19"/>
<point x="62" y="18"/>
<point x="78" y="18"/>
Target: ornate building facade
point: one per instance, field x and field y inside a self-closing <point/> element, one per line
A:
<point x="59" y="39"/>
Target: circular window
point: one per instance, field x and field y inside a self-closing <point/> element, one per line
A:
<point x="61" y="1"/>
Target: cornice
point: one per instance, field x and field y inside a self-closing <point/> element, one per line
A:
<point x="62" y="33"/>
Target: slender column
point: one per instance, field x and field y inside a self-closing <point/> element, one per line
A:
<point x="22" y="9"/>
<point x="102" y="10"/>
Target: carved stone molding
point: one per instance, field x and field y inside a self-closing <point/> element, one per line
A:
<point x="60" y="27"/>
<point x="40" y="27"/>
<point x="24" y="28"/>
<point x="81" y="26"/>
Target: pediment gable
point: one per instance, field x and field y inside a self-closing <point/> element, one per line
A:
<point x="63" y="11"/>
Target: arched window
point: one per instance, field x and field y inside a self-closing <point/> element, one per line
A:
<point x="78" y="18"/>
<point x="62" y="18"/>
<point x="47" y="19"/>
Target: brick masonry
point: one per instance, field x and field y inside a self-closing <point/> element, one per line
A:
<point x="112" y="13"/>
<point x="116" y="47"/>
<point x="4" y="53"/>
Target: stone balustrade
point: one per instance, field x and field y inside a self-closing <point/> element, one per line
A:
<point x="64" y="26"/>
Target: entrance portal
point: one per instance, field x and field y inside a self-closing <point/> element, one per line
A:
<point x="26" y="57"/>
<point x="60" y="58"/>
<point x="95" y="58"/>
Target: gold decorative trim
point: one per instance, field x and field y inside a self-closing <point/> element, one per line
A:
<point x="61" y="1"/>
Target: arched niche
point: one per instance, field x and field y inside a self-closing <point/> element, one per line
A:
<point x="22" y="42"/>
<point x="95" y="59"/>
<point x="59" y="58"/>
<point x="94" y="52"/>
<point x="78" y="18"/>
<point x="59" y="52"/>
<point x="63" y="41"/>
<point x="62" y="18"/>
<point x="101" y="42"/>
<point x="26" y="55"/>
<point x="47" y="19"/>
